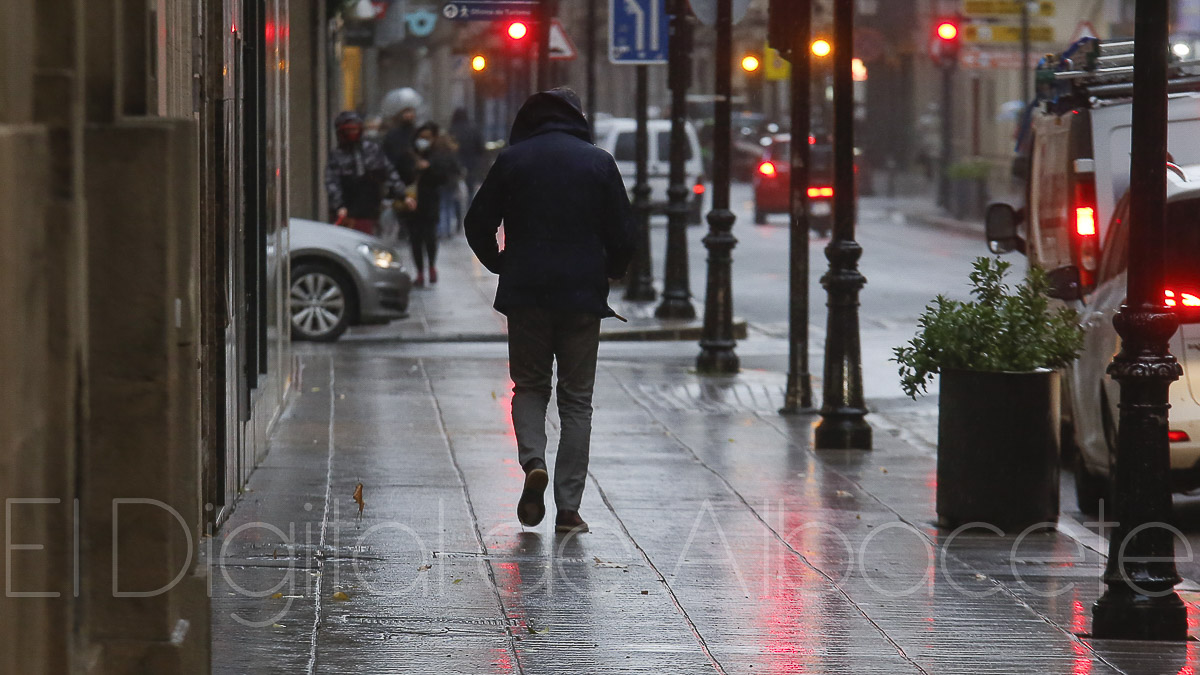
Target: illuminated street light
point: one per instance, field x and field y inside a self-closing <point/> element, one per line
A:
<point x="750" y="63"/>
<point x="479" y="63"/>
<point x="821" y="48"/>
<point x="1181" y="49"/>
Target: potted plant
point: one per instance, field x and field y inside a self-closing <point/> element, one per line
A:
<point x="998" y="409"/>
<point x="969" y="179"/>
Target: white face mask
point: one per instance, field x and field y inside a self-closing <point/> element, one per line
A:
<point x="423" y="144"/>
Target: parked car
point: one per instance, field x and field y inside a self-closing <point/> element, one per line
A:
<point x="1094" y="395"/>
<point x="773" y="180"/>
<point x="340" y="278"/>
<point x="618" y="135"/>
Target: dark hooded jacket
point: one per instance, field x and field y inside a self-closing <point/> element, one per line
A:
<point x="566" y="214"/>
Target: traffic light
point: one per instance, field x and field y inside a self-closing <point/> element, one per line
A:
<point x="947" y="41"/>
<point x="479" y="63"/>
<point x="751" y="63"/>
<point x="517" y="31"/>
<point x="821" y="48"/>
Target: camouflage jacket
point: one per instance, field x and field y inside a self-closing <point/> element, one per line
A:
<point x="359" y="177"/>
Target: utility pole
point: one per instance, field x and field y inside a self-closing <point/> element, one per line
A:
<point x="677" y="294"/>
<point x="547" y="9"/>
<point x="795" y="20"/>
<point x="591" y="63"/>
<point x="717" y="342"/>
<point x="842" y="425"/>
<point x="639" y="283"/>
<point x="1140" y="602"/>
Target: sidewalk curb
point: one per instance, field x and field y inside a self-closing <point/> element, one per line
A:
<point x="939" y="222"/>
<point x="684" y="331"/>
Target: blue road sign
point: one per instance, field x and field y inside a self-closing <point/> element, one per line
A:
<point x="489" y="10"/>
<point x="638" y="31"/>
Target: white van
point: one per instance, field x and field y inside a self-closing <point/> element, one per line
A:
<point x="618" y="135"/>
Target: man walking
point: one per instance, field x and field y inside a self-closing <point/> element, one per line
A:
<point x="567" y="231"/>
<point x="358" y="177"/>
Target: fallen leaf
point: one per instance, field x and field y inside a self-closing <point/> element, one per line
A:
<point x="536" y="631"/>
<point x="980" y="577"/>
<point x="425" y="568"/>
<point x="277" y="625"/>
<point x="843" y="493"/>
<point x="858" y="516"/>
<point x="883" y="469"/>
<point x="493" y="395"/>
<point x="456" y="581"/>
<point x="341" y="595"/>
<point x="277" y="596"/>
<point x="358" y="498"/>
<point x="605" y="563"/>
<point x="732" y="441"/>
<point x="341" y="397"/>
<point x="316" y="389"/>
<point x="645" y="592"/>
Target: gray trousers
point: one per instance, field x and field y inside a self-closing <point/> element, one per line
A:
<point x="536" y="339"/>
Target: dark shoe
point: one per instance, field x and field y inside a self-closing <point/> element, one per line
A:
<point x="569" y="521"/>
<point x="532" y="508"/>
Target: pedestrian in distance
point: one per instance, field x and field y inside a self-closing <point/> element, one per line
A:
<point x="471" y="148"/>
<point x="441" y="169"/>
<point x="359" y="177"/>
<point x="399" y="110"/>
<point x="567" y="231"/>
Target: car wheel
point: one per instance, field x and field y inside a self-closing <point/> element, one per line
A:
<point x="320" y="303"/>
<point x="1089" y="488"/>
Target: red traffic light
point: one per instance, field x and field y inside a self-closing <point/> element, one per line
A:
<point x="947" y="31"/>
<point x="517" y="30"/>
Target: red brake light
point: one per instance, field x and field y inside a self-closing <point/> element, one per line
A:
<point x="1178" y="436"/>
<point x="767" y="168"/>
<point x="812" y="140"/>
<point x="698" y="188"/>
<point x="1085" y="221"/>
<point x="815" y="192"/>
<point x="1186" y="299"/>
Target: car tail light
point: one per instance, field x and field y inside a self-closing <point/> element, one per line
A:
<point x="820" y="192"/>
<point x="1173" y="299"/>
<point x="767" y="169"/>
<point x="1175" y="436"/>
<point x="1086" y="234"/>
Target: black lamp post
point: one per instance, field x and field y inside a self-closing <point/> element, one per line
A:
<point x="677" y="294"/>
<point x="639" y="281"/>
<point x="794" y="19"/>
<point x="842" y="426"/>
<point x="1140" y="602"/>
<point x="717" y="343"/>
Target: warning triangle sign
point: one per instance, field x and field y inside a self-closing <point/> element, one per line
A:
<point x="561" y="47"/>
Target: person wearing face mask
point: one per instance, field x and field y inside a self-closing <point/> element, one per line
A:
<point x="358" y="177"/>
<point x="441" y="169"/>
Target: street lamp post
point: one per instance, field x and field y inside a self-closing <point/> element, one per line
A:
<point x="717" y="342"/>
<point x="639" y="284"/>
<point x="676" y="297"/>
<point x="1140" y="602"/>
<point x="798" y="395"/>
<point x="842" y="425"/>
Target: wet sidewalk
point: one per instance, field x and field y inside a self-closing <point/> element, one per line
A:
<point x="721" y="541"/>
<point x="459" y="309"/>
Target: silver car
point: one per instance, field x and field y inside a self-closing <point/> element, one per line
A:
<point x="340" y="278"/>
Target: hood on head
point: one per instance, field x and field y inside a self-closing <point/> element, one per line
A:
<point x="549" y="111"/>
<point x="347" y="117"/>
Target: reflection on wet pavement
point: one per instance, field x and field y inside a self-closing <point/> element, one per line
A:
<point x="721" y="542"/>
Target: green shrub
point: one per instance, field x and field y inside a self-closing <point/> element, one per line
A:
<point x="1002" y="329"/>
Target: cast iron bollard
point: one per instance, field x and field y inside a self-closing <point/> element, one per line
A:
<point x="842" y="426"/>
<point x="717" y="344"/>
